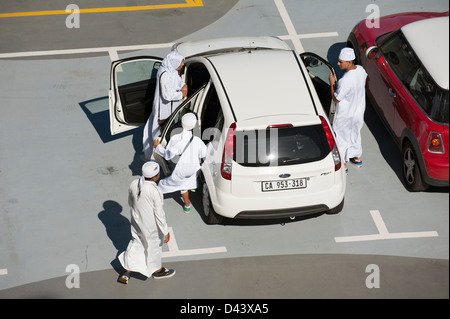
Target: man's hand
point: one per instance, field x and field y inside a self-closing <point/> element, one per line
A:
<point x="332" y="79"/>
<point x="167" y="238"/>
<point x="184" y="90"/>
<point x="156" y="143"/>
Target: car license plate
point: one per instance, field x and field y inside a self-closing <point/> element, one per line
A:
<point x="283" y="184"/>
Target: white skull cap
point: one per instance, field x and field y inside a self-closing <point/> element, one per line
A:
<point x="188" y="121"/>
<point x="150" y="169"/>
<point x="347" y="54"/>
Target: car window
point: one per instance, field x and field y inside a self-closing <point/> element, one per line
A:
<point x="197" y="76"/>
<point x="211" y="117"/>
<point x="136" y="82"/>
<point x="414" y="77"/>
<point x="281" y="146"/>
<point x="174" y="125"/>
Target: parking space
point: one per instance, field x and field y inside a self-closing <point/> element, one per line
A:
<point x="64" y="178"/>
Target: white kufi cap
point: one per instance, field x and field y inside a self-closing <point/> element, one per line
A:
<point x="150" y="169"/>
<point x="188" y="121"/>
<point x="347" y="54"/>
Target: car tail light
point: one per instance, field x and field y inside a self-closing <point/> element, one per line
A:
<point x="435" y="144"/>
<point x="227" y="157"/>
<point x="332" y="143"/>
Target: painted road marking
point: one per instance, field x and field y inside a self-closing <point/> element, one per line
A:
<point x="188" y="4"/>
<point x="3" y="271"/>
<point x="292" y="33"/>
<point x="174" y="251"/>
<point x="112" y="51"/>
<point x="383" y="233"/>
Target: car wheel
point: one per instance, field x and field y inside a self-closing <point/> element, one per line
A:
<point x="411" y="171"/>
<point x="210" y="216"/>
<point x="353" y="43"/>
<point x="337" y="209"/>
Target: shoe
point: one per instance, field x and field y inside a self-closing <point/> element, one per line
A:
<point x="165" y="273"/>
<point x="124" y="278"/>
<point x="346" y="171"/>
<point x="357" y="163"/>
<point x="187" y="209"/>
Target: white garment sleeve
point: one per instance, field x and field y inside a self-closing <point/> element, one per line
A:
<point x="170" y="91"/>
<point x="166" y="153"/>
<point x="343" y="89"/>
<point x="160" y="216"/>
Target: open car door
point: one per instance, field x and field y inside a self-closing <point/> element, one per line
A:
<point x="319" y="70"/>
<point x="131" y="92"/>
<point x="173" y="126"/>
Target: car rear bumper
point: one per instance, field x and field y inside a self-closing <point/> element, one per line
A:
<point x="267" y="207"/>
<point x="437" y="171"/>
<point x="282" y="213"/>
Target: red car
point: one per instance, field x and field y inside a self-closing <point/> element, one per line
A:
<point x="406" y="57"/>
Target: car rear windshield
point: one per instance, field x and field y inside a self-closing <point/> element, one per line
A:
<point x="280" y="146"/>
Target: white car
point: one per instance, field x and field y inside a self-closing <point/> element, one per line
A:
<point x="264" y="112"/>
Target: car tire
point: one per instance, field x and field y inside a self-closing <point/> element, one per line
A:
<point x="353" y="43"/>
<point x="209" y="215"/>
<point x="411" y="171"/>
<point x="337" y="209"/>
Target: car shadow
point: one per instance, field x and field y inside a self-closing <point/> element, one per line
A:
<point x="97" y="112"/>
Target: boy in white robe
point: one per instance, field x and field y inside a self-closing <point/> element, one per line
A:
<point x="350" y="99"/>
<point x="149" y="229"/>
<point x="190" y="148"/>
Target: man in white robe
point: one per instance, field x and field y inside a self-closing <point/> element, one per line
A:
<point x="149" y="229"/>
<point x="169" y="91"/>
<point x="350" y="99"/>
<point x="189" y="149"/>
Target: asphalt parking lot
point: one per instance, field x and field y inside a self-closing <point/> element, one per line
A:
<point x="64" y="178"/>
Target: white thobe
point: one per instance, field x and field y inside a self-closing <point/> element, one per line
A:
<point x="184" y="176"/>
<point x="148" y="229"/>
<point x="349" y="117"/>
<point x="163" y="106"/>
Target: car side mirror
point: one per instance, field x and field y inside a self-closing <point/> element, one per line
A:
<point x="372" y="53"/>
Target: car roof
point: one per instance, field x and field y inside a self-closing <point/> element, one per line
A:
<point x="429" y="40"/>
<point x="262" y="83"/>
<point x="208" y="46"/>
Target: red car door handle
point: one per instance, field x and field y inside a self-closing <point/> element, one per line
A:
<point x="392" y="93"/>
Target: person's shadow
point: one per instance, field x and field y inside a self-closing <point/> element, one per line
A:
<point x="117" y="228"/>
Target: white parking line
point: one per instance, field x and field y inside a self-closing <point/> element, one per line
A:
<point x="3" y="271"/>
<point x="109" y="50"/>
<point x="174" y="251"/>
<point x="383" y="233"/>
<point x="292" y="33"/>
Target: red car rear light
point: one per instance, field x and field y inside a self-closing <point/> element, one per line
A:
<point x="332" y="143"/>
<point x="227" y="157"/>
<point x="435" y="144"/>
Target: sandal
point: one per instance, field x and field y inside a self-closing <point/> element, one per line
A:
<point x="357" y="163"/>
<point x="164" y="273"/>
<point x="124" y="278"/>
